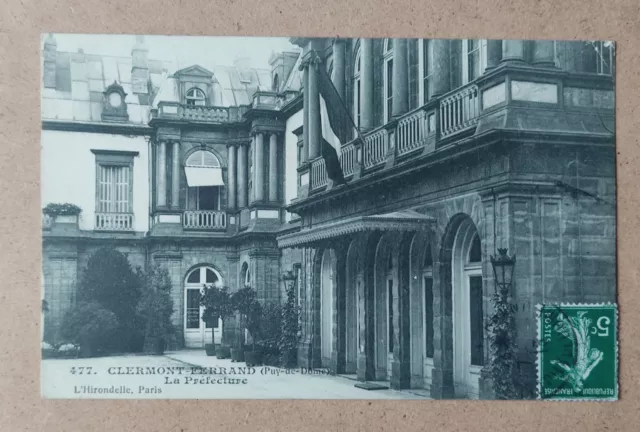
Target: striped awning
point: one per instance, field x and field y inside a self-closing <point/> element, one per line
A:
<point x="404" y="220"/>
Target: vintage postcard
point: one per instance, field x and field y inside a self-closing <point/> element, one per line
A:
<point x="328" y="218"/>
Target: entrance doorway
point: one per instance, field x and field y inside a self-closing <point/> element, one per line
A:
<point x="468" y="310"/>
<point x="197" y="333"/>
<point x="327" y="287"/>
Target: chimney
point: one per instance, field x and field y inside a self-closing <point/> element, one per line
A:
<point x="139" y="67"/>
<point x="281" y="65"/>
<point x="49" y="66"/>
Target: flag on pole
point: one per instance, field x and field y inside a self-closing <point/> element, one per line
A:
<point x="337" y="126"/>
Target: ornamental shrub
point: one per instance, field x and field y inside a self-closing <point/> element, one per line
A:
<point x="249" y="309"/>
<point x="270" y="333"/>
<point x="156" y="307"/>
<point x="110" y="281"/>
<point x="66" y="209"/>
<point x="503" y="366"/>
<point x="290" y="334"/>
<point x="217" y="305"/>
<point x="90" y="326"/>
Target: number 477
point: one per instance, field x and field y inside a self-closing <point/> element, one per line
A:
<point x="602" y="326"/>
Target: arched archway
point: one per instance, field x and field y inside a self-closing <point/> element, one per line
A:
<point x="385" y="290"/>
<point x="422" y="310"/>
<point x="351" y="308"/>
<point x="328" y="276"/>
<point x="462" y="299"/>
<point x="197" y="332"/>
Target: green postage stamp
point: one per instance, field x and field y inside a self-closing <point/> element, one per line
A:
<point x="578" y="355"/>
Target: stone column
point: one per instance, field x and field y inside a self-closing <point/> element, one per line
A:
<point x="175" y="175"/>
<point x="232" y="177"/>
<point x="366" y="84"/>
<point x="242" y="175"/>
<point x="315" y="131"/>
<point x="161" y="175"/>
<point x="339" y="66"/>
<point x="400" y="79"/>
<point x="273" y="167"/>
<point x="494" y="53"/>
<point x="441" y="67"/>
<point x="543" y="53"/>
<point x="305" y="116"/>
<point x="258" y="168"/>
<point x="574" y="53"/>
<point x="513" y="51"/>
<point x="251" y="172"/>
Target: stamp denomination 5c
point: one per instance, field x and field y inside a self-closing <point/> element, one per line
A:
<point x="578" y="357"/>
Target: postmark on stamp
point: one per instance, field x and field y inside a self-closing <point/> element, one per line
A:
<point x="578" y="356"/>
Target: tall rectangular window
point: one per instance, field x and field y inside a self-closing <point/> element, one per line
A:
<point x="476" y="320"/>
<point x="114" y="182"/>
<point x="428" y="315"/>
<point x="390" y="314"/>
<point x="474" y="60"/>
<point x="388" y="88"/>
<point x="427" y="69"/>
<point x="604" y="59"/>
<point x="114" y="189"/>
<point x="193" y="308"/>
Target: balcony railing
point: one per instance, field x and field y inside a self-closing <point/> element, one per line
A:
<point x="375" y="148"/>
<point x="459" y="111"/>
<point x="204" y="219"/>
<point x="319" y="175"/>
<point x="412" y="131"/>
<point x="114" y="222"/>
<point x="204" y="113"/>
<point x="348" y="159"/>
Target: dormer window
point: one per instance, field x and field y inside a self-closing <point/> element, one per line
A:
<point x="196" y="97"/>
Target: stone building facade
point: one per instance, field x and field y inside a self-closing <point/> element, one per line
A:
<point x="467" y="146"/>
<point x="168" y="168"/>
<point x="464" y="147"/>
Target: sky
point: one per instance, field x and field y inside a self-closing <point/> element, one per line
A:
<point x="183" y="51"/>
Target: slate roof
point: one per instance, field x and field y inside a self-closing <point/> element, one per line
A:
<point x="81" y="78"/>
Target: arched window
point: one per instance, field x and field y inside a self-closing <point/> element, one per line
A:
<point x="203" y="158"/>
<point x="388" y="78"/>
<point x="357" y="88"/>
<point x="475" y="252"/>
<point x="426" y="69"/>
<point x="203" y="275"/>
<point x="204" y="178"/>
<point x="276" y="83"/>
<point x="245" y="275"/>
<point x="196" y="97"/>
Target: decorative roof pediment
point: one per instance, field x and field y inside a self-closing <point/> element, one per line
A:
<point x="194" y="70"/>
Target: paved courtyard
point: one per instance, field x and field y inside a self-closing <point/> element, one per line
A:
<point x="193" y="375"/>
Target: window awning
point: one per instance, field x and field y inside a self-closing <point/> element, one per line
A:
<point x="203" y="176"/>
<point x="404" y="220"/>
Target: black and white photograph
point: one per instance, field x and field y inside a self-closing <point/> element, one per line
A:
<point x="327" y="218"/>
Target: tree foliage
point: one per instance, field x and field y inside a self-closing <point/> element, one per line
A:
<point x="502" y="346"/>
<point x="217" y="305"/>
<point x="156" y="305"/>
<point x="89" y="325"/>
<point x="244" y="302"/>
<point x="290" y="334"/>
<point x="270" y="332"/>
<point x="110" y="281"/>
